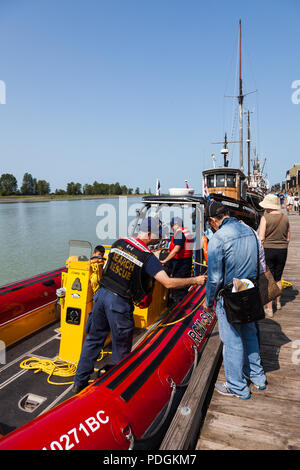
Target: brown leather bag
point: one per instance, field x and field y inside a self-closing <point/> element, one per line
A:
<point x="268" y="287"/>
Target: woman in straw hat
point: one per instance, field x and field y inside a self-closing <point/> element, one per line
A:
<point x="274" y="232"/>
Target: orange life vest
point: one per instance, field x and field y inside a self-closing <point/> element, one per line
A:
<point x="204" y="246"/>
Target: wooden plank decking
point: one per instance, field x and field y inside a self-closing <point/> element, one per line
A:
<point x="271" y="418"/>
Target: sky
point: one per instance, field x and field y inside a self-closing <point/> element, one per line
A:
<point x="132" y="90"/>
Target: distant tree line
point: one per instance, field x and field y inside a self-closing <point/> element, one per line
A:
<point x="97" y="189"/>
<point x="31" y="186"/>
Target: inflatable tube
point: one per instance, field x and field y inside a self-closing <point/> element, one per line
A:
<point x="122" y="405"/>
<point x="21" y="297"/>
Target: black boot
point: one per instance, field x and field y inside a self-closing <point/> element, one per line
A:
<point x="77" y="388"/>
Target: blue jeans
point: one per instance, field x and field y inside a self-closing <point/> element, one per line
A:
<point x="111" y="313"/>
<point x="240" y="353"/>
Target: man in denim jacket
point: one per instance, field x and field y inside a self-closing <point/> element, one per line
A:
<point x="232" y="253"/>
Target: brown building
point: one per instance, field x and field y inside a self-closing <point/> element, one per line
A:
<point x="292" y="182"/>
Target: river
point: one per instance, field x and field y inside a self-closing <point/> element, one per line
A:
<point x="34" y="236"/>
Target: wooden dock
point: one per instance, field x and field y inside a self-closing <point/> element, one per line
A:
<point x="270" y="420"/>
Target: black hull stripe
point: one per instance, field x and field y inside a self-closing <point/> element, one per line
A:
<point x="139" y="360"/>
<point x="126" y="372"/>
<point x="173" y="314"/>
<point x="148" y="371"/>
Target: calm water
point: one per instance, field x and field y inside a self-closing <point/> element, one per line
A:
<point x="34" y="236"/>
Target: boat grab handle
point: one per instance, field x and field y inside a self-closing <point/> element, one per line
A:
<point x="127" y="431"/>
<point x="194" y="347"/>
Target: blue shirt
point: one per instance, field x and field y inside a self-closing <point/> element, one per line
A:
<point x="152" y="266"/>
<point x="179" y="239"/>
<point x="232" y="253"/>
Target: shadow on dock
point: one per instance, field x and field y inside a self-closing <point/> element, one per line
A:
<point x="271" y="338"/>
<point x="288" y="295"/>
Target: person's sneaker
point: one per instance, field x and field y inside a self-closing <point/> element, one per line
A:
<point x="223" y="389"/>
<point x="278" y="306"/>
<point x="258" y="387"/>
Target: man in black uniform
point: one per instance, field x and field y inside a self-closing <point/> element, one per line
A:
<point x="127" y="278"/>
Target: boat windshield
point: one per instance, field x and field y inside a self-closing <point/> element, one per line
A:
<point x="220" y="180"/>
<point x="80" y="249"/>
<point x="210" y="181"/>
<point x="164" y="213"/>
<point x="231" y="181"/>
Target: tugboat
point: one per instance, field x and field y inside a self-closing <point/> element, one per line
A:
<point x="229" y="186"/>
<point x="127" y="405"/>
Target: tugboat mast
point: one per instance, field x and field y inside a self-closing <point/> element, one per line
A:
<point x="241" y="98"/>
<point x="249" y="147"/>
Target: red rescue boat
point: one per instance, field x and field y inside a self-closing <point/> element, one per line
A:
<point x="125" y="405"/>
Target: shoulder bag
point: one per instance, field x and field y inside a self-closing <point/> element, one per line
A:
<point x="268" y="287"/>
<point x="244" y="306"/>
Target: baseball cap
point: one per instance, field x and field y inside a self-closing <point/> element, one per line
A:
<point x="177" y="221"/>
<point x="150" y="224"/>
<point x="216" y="208"/>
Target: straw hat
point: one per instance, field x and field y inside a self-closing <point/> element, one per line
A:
<point x="270" y="201"/>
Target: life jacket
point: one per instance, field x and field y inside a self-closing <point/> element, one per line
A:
<point x="97" y="269"/>
<point x="123" y="273"/>
<point x="204" y="246"/>
<point x="186" y="251"/>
